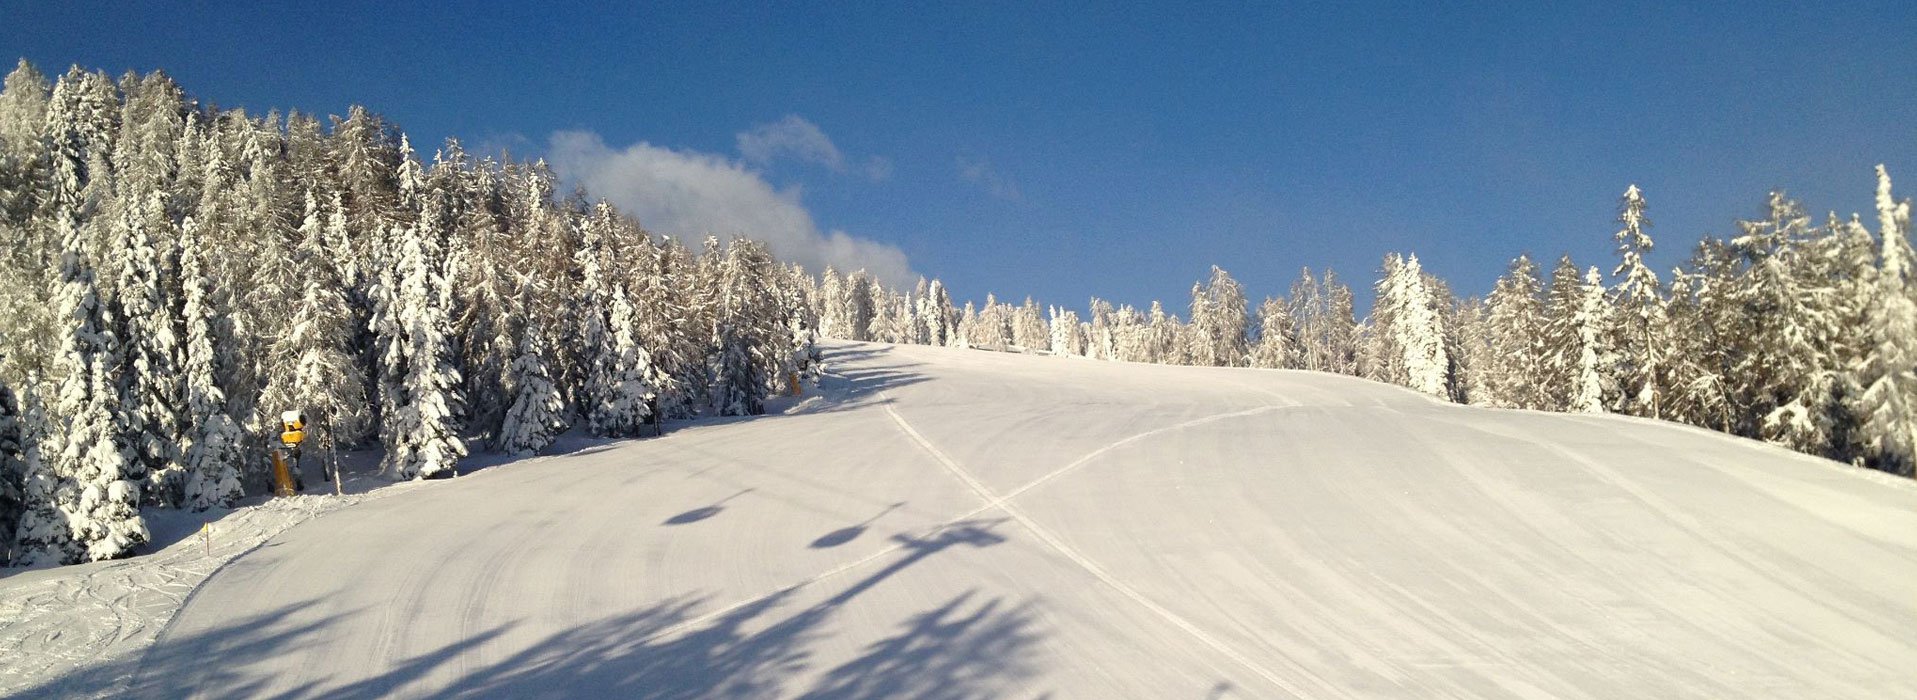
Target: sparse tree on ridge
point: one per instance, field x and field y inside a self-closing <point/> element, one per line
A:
<point x="1277" y="346"/>
<point x="1640" y="311"/>
<point x="1888" y="405"/>
<point x="1218" y="322"/>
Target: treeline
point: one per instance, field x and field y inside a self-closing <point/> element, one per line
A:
<point x="1798" y="333"/>
<point x="175" y="275"/>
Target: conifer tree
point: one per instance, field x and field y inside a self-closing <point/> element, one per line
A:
<point x="1419" y="333"/>
<point x="45" y="531"/>
<point x="1593" y="356"/>
<point x="748" y="326"/>
<point x="151" y="385"/>
<point x="1563" y="337"/>
<point x="1066" y="339"/>
<point x="619" y="407"/>
<point x="216" y="450"/>
<point x="1277" y="346"/>
<point x="425" y="442"/>
<point x="1640" y="305"/>
<point x="1702" y="360"/>
<point x="1889" y="402"/>
<point x="12" y="471"/>
<point x="1514" y="329"/>
<point x="1218" y="322"/>
<point x="101" y="496"/>
<point x="536" y="415"/>
<point x="935" y="312"/>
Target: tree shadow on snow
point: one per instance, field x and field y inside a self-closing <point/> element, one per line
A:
<point x="961" y="649"/>
<point x="217" y="658"/>
<point x="852" y="532"/>
<point x="967" y="647"/>
<point x="703" y="512"/>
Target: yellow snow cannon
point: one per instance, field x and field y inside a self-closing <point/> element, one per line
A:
<point x="292" y="429"/>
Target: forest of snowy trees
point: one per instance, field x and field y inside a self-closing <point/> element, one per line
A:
<point x="1796" y="333"/>
<point x="175" y="275"/>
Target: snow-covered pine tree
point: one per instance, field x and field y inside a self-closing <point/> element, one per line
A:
<point x="536" y="415"/>
<point x="935" y="312"/>
<point x="1383" y="358"/>
<point x="151" y="386"/>
<point x="27" y="248"/>
<point x="1514" y="331"/>
<point x="918" y="329"/>
<point x="1787" y="327"/>
<point x="101" y="496"/>
<point x="1340" y="335"/>
<point x="1066" y="340"/>
<point x="483" y="295"/>
<point x="1640" y="306"/>
<point x="1593" y="355"/>
<point x="667" y="331"/>
<point x="1419" y="333"/>
<point x="749" y="324"/>
<point x="12" y="471"/>
<point x="215" y="452"/>
<point x="888" y="316"/>
<point x="1163" y="335"/>
<point x="1470" y="352"/>
<point x="1099" y="343"/>
<point x="619" y="406"/>
<point x="598" y="358"/>
<point x="1218" y="322"/>
<point x="323" y="379"/>
<point x="1889" y="402"/>
<point x="967" y="326"/>
<point x="1028" y="328"/>
<point x="988" y="326"/>
<point x="425" y="441"/>
<point x="855" y="305"/>
<point x="23" y="118"/>
<point x="45" y="532"/>
<point x="1703" y="315"/>
<point x="832" y="309"/>
<point x="1307" y="318"/>
<point x="803" y="356"/>
<point x="1562" y="337"/>
<point x="1277" y="346"/>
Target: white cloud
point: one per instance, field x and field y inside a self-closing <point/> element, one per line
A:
<point x="795" y="138"/>
<point x="688" y="194"/>
<point x="792" y="137"/>
<point x="979" y="171"/>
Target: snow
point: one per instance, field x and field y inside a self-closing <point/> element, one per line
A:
<point x="86" y="625"/>
<point x="947" y="523"/>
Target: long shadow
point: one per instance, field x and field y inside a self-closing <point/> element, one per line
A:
<point x="213" y="659"/>
<point x="851" y="532"/>
<point x="703" y="512"/>
<point x="967" y="647"/>
<point x="642" y="656"/>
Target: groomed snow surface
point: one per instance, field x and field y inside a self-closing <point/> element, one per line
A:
<point x="957" y="524"/>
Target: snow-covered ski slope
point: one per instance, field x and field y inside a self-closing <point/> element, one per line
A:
<point x="957" y="524"/>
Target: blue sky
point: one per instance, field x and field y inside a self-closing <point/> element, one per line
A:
<point x="1078" y="150"/>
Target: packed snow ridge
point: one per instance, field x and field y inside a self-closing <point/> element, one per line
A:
<point x="935" y="522"/>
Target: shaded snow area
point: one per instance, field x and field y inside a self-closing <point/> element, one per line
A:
<point x="958" y="524"/>
<point x="86" y="625"/>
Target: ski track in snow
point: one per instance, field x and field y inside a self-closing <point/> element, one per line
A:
<point x="68" y="619"/>
<point x="1181" y="532"/>
<point x="1003" y="503"/>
